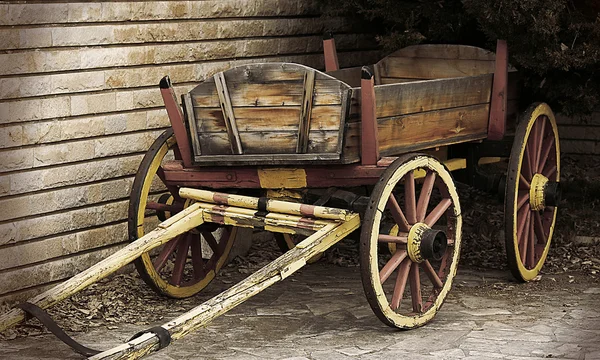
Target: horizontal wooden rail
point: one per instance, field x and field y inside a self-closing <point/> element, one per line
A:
<point x="285" y="207"/>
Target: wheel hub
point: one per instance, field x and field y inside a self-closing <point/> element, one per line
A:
<point x="425" y="243"/>
<point x="543" y="192"/>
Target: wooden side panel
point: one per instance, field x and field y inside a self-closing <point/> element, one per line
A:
<point x="269" y="103"/>
<point x="413" y="97"/>
<point x="422" y="130"/>
<point x="435" y="62"/>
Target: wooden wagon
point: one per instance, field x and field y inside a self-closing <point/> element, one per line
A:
<point x="315" y="156"/>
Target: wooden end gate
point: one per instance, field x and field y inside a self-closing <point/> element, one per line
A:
<point x="313" y="156"/>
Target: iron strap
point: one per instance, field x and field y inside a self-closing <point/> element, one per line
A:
<point x="38" y="313"/>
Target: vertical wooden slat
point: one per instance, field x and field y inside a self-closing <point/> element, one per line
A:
<point x="369" y="147"/>
<point x="305" y="113"/>
<point x="188" y="107"/>
<point x="377" y="74"/>
<point x="330" y="53"/>
<point x="176" y="119"/>
<point x="497" y="122"/>
<point x="227" y="109"/>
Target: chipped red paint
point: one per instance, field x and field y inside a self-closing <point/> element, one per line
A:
<point x="330" y="53"/>
<point x="221" y="198"/>
<point x="307" y="210"/>
<point x="369" y="145"/>
<point x="497" y="121"/>
<point x="176" y="119"/>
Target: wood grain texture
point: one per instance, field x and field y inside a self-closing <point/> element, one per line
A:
<point x="228" y="115"/>
<point x="279" y="108"/>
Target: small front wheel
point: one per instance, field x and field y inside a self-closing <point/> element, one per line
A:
<point x="426" y="233"/>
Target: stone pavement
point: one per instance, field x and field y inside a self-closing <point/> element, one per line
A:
<point x="321" y="313"/>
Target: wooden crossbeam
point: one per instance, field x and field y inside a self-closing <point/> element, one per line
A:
<point x="228" y="115"/>
<point x="306" y="112"/>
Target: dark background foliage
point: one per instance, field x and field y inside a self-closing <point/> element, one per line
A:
<point x="555" y="44"/>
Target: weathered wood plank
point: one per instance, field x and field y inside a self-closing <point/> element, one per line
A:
<point x="401" y="134"/>
<point x="442" y="51"/>
<point x="272" y="142"/>
<point x="430" y="68"/>
<point x="282" y="118"/>
<point x="281" y="93"/>
<point x="190" y="118"/>
<point x="350" y="76"/>
<point x="393" y="80"/>
<point x="305" y="112"/>
<point x="422" y="96"/>
<point x="228" y="115"/>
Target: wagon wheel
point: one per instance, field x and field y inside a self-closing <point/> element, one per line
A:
<point x="532" y="192"/>
<point x="185" y="265"/>
<point x="289" y="241"/>
<point x="427" y="240"/>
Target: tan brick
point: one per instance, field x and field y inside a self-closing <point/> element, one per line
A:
<point x="82" y="127"/>
<point x="124" y="144"/>
<point x="35" y="38"/>
<point x="16" y="159"/>
<point x="8" y="233"/>
<point x="23" y="254"/>
<point x="60" y="269"/>
<point x="157" y="119"/>
<point x="11" y="136"/>
<point x="41" y="132"/>
<point x="72" y="36"/>
<point x="36" y="13"/>
<point x="116" y="11"/>
<point x="9" y="38"/>
<point x="63" y="153"/>
<point x="4" y="185"/>
<point x="93" y="103"/>
<point x="84" y="12"/>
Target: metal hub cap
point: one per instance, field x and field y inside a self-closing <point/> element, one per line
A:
<point x="543" y="192"/>
<point x="425" y="243"/>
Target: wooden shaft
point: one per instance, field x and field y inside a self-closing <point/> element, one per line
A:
<point x="192" y="217"/>
<point x="369" y="145"/>
<point x="330" y="53"/>
<point x="275" y="271"/>
<point x="277" y="206"/>
<point x="176" y="119"/>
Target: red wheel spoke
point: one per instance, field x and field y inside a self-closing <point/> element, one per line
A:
<point x="522" y="199"/>
<point x="197" y="261"/>
<point x="391" y="265"/>
<point x="523" y="183"/>
<point x="541" y="129"/>
<point x="531" y="245"/>
<point x="210" y="239"/>
<point x="410" y="198"/>
<point x="437" y="212"/>
<point x="160" y="261"/>
<point x="539" y="228"/>
<point x="432" y="275"/>
<point x="526" y="169"/>
<point x="546" y="147"/>
<point x="160" y="172"/>
<point x="523" y="245"/>
<point x="425" y="195"/>
<point x="550" y="171"/>
<point x="223" y="241"/>
<point x="400" y="285"/>
<point x="397" y="213"/>
<point x="393" y="239"/>
<point x="180" y="259"/>
<point x="522" y="217"/>
<point x="415" y="288"/>
<point x="152" y="205"/>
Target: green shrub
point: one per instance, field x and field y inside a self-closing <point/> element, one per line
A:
<point x="555" y="44"/>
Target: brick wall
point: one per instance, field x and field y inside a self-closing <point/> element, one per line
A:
<point x="79" y="105"/>
<point x="579" y="135"/>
